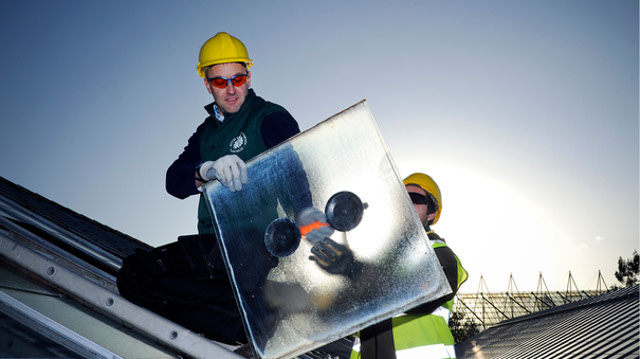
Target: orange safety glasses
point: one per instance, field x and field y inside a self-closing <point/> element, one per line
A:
<point x="222" y="82"/>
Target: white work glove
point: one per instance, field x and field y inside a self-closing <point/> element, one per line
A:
<point x="230" y="170"/>
<point x="313" y="224"/>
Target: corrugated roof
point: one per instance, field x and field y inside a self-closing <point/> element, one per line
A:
<point x="606" y="326"/>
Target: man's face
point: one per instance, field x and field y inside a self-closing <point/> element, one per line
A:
<point x="421" y="209"/>
<point x="231" y="98"/>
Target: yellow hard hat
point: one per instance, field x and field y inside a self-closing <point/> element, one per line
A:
<point x="428" y="184"/>
<point x="221" y="49"/>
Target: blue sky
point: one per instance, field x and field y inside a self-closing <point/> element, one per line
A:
<point x="525" y="113"/>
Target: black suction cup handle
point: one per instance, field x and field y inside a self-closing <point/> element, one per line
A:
<point x="344" y="211"/>
<point x="282" y="237"/>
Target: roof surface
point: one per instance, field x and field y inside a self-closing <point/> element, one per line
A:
<point x="606" y="326"/>
<point x="47" y="218"/>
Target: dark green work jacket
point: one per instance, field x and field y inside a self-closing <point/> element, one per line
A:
<point x="238" y="134"/>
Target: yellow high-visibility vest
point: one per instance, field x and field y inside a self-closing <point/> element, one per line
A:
<point x="422" y="336"/>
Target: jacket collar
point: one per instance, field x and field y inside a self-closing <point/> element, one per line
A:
<point x="251" y="96"/>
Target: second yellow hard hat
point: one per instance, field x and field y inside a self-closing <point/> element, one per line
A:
<point x="428" y="184"/>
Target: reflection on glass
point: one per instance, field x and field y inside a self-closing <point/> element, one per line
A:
<point x="291" y="304"/>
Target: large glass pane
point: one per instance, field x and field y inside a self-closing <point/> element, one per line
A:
<point x="289" y="302"/>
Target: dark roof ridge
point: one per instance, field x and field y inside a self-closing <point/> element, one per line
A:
<point x="17" y="187"/>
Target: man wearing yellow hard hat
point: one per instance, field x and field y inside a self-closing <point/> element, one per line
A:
<point x="240" y="125"/>
<point x="186" y="281"/>
<point x="422" y="332"/>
